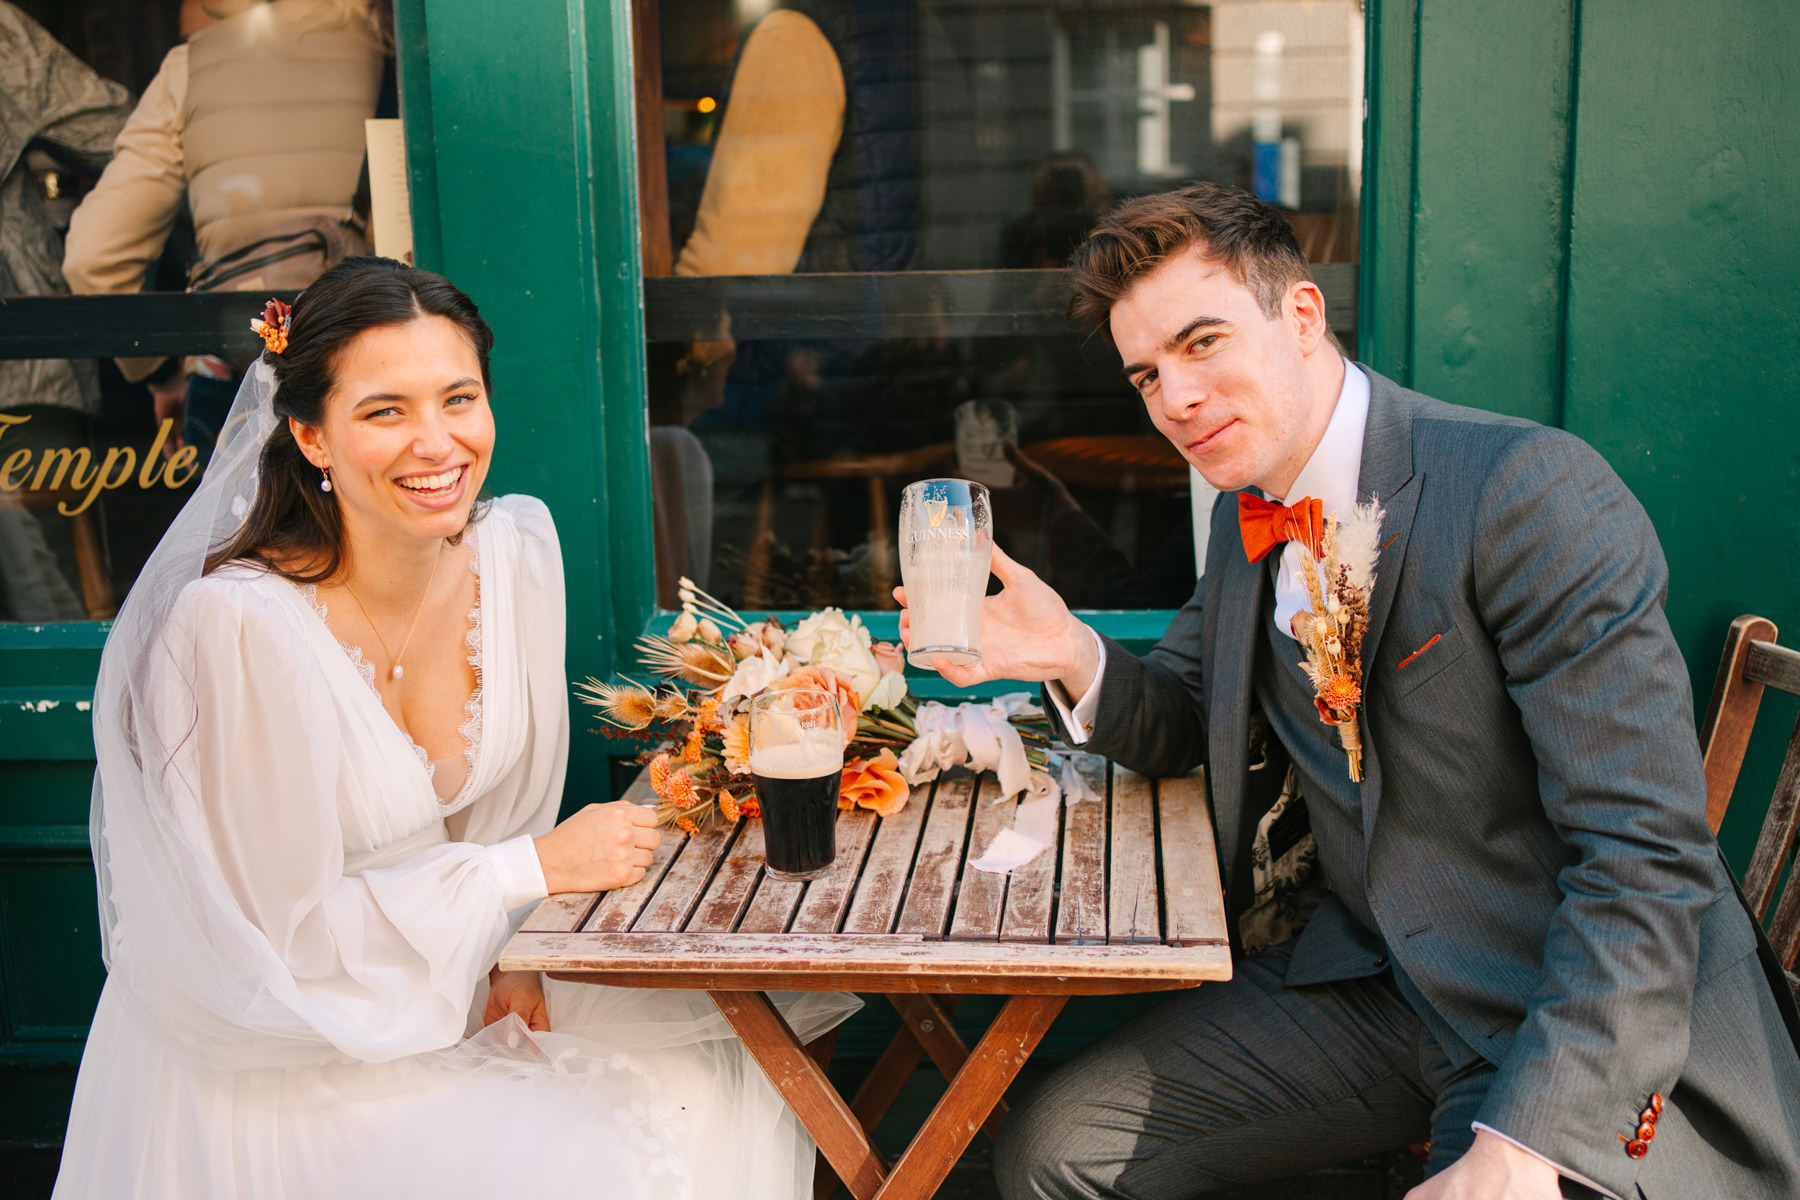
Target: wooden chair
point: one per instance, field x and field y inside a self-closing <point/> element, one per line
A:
<point x="1752" y="661"/>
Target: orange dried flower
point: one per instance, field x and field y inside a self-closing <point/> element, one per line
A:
<point x="737" y="745"/>
<point x="696" y="743"/>
<point x="687" y="825"/>
<point x="749" y="805"/>
<point x="728" y="806"/>
<point x="1337" y="699"/>
<point x="681" y="789"/>
<point x="706" y="717"/>
<point x="875" y="784"/>
<point x="272" y="326"/>
<point x="661" y="768"/>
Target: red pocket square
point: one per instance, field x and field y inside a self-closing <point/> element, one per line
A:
<point x="1419" y="651"/>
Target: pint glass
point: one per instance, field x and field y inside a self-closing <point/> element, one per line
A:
<point x="946" y="544"/>
<point x="797" y="761"/>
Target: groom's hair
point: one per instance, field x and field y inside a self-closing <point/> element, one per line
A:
<point x="1229" y="226"/>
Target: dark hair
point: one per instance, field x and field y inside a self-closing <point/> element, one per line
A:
<point x="291" y="521"/>
<point x="1231" y="227"/>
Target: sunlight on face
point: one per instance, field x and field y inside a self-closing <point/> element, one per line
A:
<point x="408" y="432"/>
<point x="1219" y="378"/>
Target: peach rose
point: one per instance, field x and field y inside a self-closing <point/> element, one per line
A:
<point x="874" y="784"/>
<point x="828" y="680"/>
<point x="888" y="657"/>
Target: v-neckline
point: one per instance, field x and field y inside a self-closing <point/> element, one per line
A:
<point x="474" y="708"/>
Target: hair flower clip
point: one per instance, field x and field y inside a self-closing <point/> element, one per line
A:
<point x="272" y="326"/>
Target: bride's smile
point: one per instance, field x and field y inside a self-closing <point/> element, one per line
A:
<point x="408" y="433"/>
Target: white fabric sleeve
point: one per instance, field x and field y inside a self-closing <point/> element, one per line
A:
<point x="1565" y="1172"/>
<point x="374" y="966"/>
<point x="1078" y="716"/>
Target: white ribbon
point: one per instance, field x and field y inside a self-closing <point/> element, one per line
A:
<point x="978" y="736"/>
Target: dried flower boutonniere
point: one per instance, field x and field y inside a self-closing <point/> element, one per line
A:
<point x="1339" y="583"/>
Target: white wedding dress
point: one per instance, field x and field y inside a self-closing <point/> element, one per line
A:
<point x="301" y="915"/>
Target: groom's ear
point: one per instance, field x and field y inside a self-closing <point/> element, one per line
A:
<point x="1304" y="306"/>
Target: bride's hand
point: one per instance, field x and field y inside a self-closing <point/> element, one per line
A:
<point x="519" y="992"/>
<point x="604" y="846"/>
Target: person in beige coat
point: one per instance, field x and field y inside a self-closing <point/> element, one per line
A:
<point x="256" y="122"/>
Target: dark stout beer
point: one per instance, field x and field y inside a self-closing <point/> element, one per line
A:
<point x="797" y="785"/>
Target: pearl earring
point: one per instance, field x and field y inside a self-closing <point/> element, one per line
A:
<point x="325" y="483"/>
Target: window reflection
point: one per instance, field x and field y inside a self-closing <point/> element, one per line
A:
<point x="907" y="144"/>
<point x="157" y="146"/>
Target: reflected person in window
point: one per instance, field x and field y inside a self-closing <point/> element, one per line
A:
<point x="1531" y="953"/>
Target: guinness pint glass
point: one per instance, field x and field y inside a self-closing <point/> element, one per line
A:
<point x="946" y="544"/>
<point x="797" y="761"/>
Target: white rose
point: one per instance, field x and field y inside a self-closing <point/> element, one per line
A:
<point x="888" y="693"/>
<point x="829" y="639"/>
<point x="753" y="676"/>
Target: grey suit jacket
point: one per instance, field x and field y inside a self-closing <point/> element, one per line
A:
<point x="1534" y="808"/>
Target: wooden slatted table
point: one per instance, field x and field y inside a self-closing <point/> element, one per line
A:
<point x="1127" y="901"/>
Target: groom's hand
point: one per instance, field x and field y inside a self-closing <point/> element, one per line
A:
<point x="519" y="992"/>
<point x="1493" y="1169"/>
<point x="1027" y="633"/>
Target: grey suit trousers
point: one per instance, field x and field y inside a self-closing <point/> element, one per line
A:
<point x="1240" y="1082"/>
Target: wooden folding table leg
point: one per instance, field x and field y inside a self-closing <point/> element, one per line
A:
<point x="802" y="1083"/>
<point x="891" y="1071"/>
<point x="993" y="1064"/>
<point x="929" y="1023"/>
<point x="825" y="1180"/>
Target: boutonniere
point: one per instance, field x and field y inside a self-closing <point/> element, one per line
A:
<point x="1339" y="581"/>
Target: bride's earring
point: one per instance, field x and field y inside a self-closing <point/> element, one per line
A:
<point x="325" y="483"/>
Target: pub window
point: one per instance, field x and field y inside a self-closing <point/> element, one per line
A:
<point x="855" y="219"/>
<point x="126" y="285"/>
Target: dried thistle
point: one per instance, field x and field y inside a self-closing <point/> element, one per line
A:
<point x="626" y="705"/>
<point x="699" y="663"/>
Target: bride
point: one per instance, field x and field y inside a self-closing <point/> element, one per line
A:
<point x="332" y="727"/>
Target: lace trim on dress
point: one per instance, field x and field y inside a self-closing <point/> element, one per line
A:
<point x="470" y="729"/>
<point x="364" y="668"/>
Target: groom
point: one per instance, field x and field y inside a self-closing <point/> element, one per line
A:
<point x="1528" y="951"/>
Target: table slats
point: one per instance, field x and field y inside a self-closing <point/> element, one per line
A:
<point x="1136" y="871"/>
<point x="1081" y="910"/>
<point x="828" y="899"/>
<point x="1190" y="864"/>
<point x="686" y="880"/>
<point x="620" y="907"/>
<point x="1134" y="913"/>
<point x="883" y="882"/>
<point x="729" y="893"/>
<point x="933" y="884"/>
<point x="981" y="898"/>
<point x="1031" y="892"/>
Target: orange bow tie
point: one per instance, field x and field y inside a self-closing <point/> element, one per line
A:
<point x="1265" y="524"/>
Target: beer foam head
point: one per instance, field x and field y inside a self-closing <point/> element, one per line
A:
<point x="807" y="758"/>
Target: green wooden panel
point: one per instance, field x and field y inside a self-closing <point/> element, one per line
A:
<point x="49" y="949"/>
<point x="53" y="723"/>
<point x="66" y="655"/>
<point x="1384" y="279"/>
<point x="1684" y="305"/>
<point x="1490" y="165"/>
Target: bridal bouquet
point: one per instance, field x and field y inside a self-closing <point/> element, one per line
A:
<point x="713" y="662"/>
